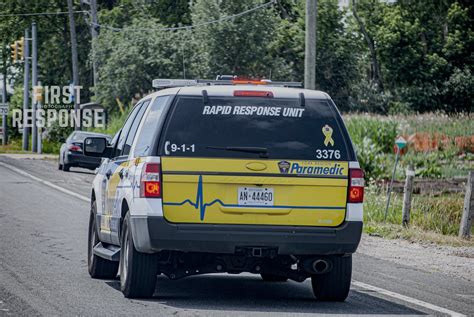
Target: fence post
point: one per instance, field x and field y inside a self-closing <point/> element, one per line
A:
<point x="468" y="210"/>
<point x="407" y="191"/>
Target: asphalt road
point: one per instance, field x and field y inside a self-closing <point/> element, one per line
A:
<point x="43" y="270"/>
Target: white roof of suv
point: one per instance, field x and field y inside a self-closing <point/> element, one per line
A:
<point x="228" y="91"/>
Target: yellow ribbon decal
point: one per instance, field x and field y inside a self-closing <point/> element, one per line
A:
<point x="327" y="131"/>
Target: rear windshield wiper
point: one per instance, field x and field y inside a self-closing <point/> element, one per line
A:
<point x="263" y="151"/>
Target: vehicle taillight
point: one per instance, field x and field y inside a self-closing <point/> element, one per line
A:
<point x="253" y="93"/>
<point x="74" y="148"/>
<point x="150" y="183"/>
<point x="356" y="186"/>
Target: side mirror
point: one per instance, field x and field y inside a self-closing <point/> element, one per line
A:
<point x="96" y="147"/>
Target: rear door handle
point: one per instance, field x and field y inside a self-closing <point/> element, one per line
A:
<point x="108" y="174"/>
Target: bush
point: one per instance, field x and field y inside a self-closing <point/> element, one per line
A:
<point x="114" y="123"/>
<point x="425" y="164"/>
<point x="367" y="98"/>
<point x="16" y="102"/>
<point x="373" y="138"/>
<point x="381" y="131"/>
<point x="398" y="107"/>
<point x="370" y="158"/>
<point x="51" y="147"/>
<point x="56" y="133"/>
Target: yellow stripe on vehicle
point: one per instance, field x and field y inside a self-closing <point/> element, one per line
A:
<point x="222" y="165"/>
<point x="202" y="190"/>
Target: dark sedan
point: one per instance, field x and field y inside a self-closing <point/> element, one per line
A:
<point x="71" y="154"/>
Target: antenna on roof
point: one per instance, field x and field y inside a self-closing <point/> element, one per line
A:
<point x="205" y="97"/>
<point x="302" y="100"/>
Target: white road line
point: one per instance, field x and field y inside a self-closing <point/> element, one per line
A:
<point x="355" y="283"/>
<point x="63" y="190"/>
<point x="407" y="299"/>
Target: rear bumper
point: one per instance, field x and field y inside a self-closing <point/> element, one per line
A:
<point x="154" y="233"/>
<point x="82" y="160"/>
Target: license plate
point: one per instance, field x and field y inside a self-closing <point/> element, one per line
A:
<point x="255" y="196"/>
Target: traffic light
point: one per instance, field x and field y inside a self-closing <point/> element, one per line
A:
<point x="14" y="51"/>
<point x="38" y="93"/>
<point x="20" y="48"/>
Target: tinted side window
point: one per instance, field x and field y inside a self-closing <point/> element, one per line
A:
<point x="126" y="128"/>
<point x="133" y="128"/>
<point x="149" y="126"/>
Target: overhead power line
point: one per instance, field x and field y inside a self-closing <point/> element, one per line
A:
<point x="116" y="29"/>
<point x="188" y="27"/>
<point x="38" y="14"/>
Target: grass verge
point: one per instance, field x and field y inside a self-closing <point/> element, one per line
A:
<point x="14" y="146"/>
<point x="433" y="219"/>
<point x="414" y="234"/>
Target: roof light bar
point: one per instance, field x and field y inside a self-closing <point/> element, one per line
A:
<point x="169" y="83"/>
<point x="162" y="83"/>
<point x="225" y="77"/>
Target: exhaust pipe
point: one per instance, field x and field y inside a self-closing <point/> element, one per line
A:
<point x="321" y="266"/>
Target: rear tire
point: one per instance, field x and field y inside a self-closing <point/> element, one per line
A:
<point x="65" y="167"/>
<point x="273" y="278"/>
<point x="138" y="271"/>
<point x="334" y="286"/>
<point x="98" y="267"/>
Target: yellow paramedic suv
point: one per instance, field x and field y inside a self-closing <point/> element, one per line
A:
<point x="227" y="176"/>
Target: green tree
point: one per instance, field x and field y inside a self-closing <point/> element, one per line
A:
<point x="54" y="53"/>
<point x="242" y="46"/>
<point x="425" y="52"/>
<point x="336" y="50"/>
<point x="122" y="12"/>
<point x="129" y="60"/>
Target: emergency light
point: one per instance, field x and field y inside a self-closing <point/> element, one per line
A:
<point x="170" y="83"/>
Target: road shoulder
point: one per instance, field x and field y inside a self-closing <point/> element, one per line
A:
<point x="453" y="261"/>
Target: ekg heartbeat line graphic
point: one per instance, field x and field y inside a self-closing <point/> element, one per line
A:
<point x="199" y="203"/>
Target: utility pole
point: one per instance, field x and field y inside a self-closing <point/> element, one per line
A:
<point x="4" y="101"/>
<point x="93" y="22"/>
<point x="4" y="96"/>
<point x="26" y="84"/>
<point x="310" y="44"/>
<point x="75" y="66"/>
<point x="39" y="100"/>
<point x="34" y="83"/>
<point x="94" y="34"/>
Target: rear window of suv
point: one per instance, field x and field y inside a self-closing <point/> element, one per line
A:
<point x="249" y="127"/>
